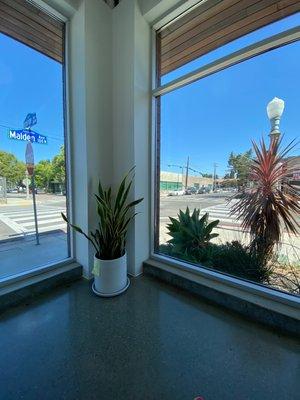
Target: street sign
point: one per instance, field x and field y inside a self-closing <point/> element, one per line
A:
<point x="30" y="120"/>
<point x="29" y="158"/>
<point x="26" y="135"/>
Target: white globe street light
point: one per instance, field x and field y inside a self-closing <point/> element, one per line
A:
<point x="274" y="110"/>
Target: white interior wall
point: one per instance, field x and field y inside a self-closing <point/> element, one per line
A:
<point x="90" y="50"/>
<point x="109" y="95"/>
<point x="131" y="116"/>
<point x="98" y="59"/>
<point x="77" y="116"/>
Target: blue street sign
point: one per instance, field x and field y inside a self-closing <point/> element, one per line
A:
<point x="30" y="120"/>
<point x="27" y="136"/>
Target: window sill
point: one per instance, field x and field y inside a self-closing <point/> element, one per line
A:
<point x="239" y="291"/>
<point x="18" y="289"/>
<point x="30" y="273"/>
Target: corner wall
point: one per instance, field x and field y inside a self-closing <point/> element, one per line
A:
<point x="90" y="75"/>
<point x="131" y="119"/>
<point x="109" y="95"/>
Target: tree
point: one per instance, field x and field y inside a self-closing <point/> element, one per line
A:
<point x="44" y="174"/>
<point x="240" y="165"/>
<point x="58" y="165"/>
<point x="12" y="169"/>
<point x="273" y="204"/>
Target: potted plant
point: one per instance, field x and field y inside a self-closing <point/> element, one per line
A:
<point x="109" y="239"/>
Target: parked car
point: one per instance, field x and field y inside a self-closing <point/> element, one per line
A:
<point x="204" y="190"/>
<point x="190" y="190"/>
<point x="176" y="193"/>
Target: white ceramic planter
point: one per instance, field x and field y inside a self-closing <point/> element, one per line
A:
<point x="111" y="278"/>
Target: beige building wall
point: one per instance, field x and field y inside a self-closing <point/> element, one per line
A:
<point x="166" y="176"/>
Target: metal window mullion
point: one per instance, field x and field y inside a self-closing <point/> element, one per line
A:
<point x="246" y="53"/>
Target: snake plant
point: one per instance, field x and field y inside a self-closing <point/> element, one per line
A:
<point x="114" y="216"/>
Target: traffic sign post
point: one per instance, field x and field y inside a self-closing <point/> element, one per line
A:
<point x="27" y="184"/>
<point x="29" y="157"/>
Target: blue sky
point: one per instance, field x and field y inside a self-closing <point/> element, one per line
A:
<point x="30" y="82"/>
<point x="205" y="120"/>
<point x="210" y="118"/>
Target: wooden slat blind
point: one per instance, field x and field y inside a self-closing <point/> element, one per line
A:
<point x="32" y="26"/>
<point x="213" y="24"/>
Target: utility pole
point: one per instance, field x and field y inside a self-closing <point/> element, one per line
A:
<point x="187" y="172"/>
<point x="187" y="168"/>
<point x="215" y="176"/>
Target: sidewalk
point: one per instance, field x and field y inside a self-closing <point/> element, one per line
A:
<point x="41" y="198"/>
<point x="23" y="254"/>
<point x="16" y="202"/>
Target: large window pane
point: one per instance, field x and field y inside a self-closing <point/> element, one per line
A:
<point x="207" y="130"/>
<point x="31" y="82"/>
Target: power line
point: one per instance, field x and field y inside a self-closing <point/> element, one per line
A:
<point x="187" y="169"/>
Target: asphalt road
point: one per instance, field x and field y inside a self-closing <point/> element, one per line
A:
<point x="229" y="227"/>
<point x="170" y="205"/>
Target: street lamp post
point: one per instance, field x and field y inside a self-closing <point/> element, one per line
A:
<point x="274" y="110"/>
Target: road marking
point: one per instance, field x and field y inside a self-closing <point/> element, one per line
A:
<point x="42" y="222"/>
<point x="23" y="222"/>
<point x="14" y="214"/>
<point x="62" y="227"/>
<point x="222" y="213"/>
<point x="12" y="224"/>
<point x="40" y="216"/>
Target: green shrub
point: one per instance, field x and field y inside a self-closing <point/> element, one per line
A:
<point x="236" y="259"/>
<point x="232" y="258"/>
<point x="190" y="242"/>
<point x="190" y="232"/>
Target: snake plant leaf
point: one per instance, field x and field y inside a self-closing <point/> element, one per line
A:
<point x="79" y="230"/>
<point x="114" y="217"/>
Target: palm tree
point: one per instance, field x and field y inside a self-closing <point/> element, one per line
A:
<point x="273" y="203"/>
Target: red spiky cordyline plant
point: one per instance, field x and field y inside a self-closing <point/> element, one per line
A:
<point x="272" y="204"/>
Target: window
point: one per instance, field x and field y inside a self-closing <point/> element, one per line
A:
<point x="33" y="178"/>
<point x="227" y="106"/>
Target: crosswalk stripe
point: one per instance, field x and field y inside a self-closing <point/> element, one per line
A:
<point x="43" y="222"/>
<point x="12" y="224"/>
<point x="218" y="215"/>
<point x="227" y="210"/>
<point x="43" y="216"/>
<point x="22" y="222"/>
<point x="222" y="213"/>
<point x="29" y="212"/>
<point x="56" y="227"/>
<point x="47" y="228"/>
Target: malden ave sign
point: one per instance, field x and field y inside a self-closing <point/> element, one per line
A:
<point x="26" y="135"/>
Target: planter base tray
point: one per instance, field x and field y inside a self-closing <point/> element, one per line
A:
<point x="101" y="294"/>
